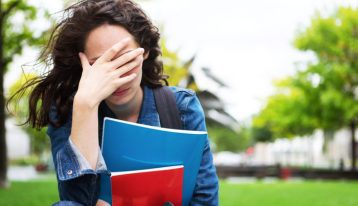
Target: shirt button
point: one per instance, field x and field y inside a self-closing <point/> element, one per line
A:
<point x="69" y="172"/>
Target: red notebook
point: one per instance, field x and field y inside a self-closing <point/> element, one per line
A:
<point x="148" y="187"/>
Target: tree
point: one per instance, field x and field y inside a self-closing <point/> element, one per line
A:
<point x="174" y="66"/>
<point x="12" y="41"/>
<point x="324" y="95"/>
<point x="289" y="112"/>
<point x="334" y="41"/>
<point x="39" y="142"/>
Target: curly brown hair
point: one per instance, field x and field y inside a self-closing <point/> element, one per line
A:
<point x="68" y="38"/>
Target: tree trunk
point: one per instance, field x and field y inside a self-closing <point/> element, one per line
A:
<point x="3" y="151"/>
<point x="353" y="144"/>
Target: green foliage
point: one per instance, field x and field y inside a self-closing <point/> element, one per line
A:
<point x="261" y="134"/>
<point x="18" y="32"/>
<point x="334" y="41"/>
<point x="40" y="143"/>
<point x="20" y="106"/>
<point x="324" y="95"/>
<point x="286" y="114"/>
<point x="226" y="139"/>
<point x="38" y="139"/>
<point x="25" y="161"/>
<point x="175" y="67"/>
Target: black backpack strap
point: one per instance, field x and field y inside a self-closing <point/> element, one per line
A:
<point x="167" y="108"/>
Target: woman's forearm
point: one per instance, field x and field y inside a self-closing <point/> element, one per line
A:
<point x="84" y="131"/>
<point x="98" y="81"/>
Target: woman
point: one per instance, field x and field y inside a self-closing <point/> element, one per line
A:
<point x="105" y="53"/>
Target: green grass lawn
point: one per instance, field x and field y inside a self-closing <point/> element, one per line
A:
<point x="310" y="193"/>
<point x="305" y="193"/>
<point x="30" y="193"/>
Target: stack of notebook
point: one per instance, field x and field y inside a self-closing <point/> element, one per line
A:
<point x="149" y="165"/>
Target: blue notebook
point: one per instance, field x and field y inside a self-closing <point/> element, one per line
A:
<point x="130" y="146"/>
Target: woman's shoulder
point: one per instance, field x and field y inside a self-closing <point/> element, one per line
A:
<point x="179" y="91"/>
<point x="184" y="97"/>
<point x="192" y="113"/>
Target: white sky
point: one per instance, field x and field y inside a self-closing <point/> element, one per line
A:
<point x="247" y="44"/>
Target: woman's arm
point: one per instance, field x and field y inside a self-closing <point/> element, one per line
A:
<point x="76" y="182"/>
<point x="75" y="144"/>
<point x="98" y="81"/>
<point x="193" y="118"/>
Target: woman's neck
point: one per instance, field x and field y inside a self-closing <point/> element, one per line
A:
<point x="129" y="111"/>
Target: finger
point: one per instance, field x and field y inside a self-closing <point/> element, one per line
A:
<point x="84" y="61"/>
<point x="128" y="67"/>
<point x="124" y="80"/>
<point x="102" y="203"/>
<point x="123" y="59"/>
<point x="113" y="51"/>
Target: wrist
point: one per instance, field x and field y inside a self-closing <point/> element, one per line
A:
<point x="85" y="102"/>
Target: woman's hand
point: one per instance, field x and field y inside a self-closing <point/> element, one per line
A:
<point x="97" y="82"/>
<point x="102" y="203"/>
<point x="103" y="77"/>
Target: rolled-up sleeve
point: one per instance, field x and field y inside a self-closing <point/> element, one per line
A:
<point x="193" y="118"/>
<point x="68" y="160"/>
<point x="84" y="164"/>
<point x="77" y="181"/>
<point x="72" y="164"/>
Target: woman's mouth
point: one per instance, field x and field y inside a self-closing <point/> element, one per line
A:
<point x="120" y="92"/>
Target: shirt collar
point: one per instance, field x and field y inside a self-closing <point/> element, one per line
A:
<point x="148" y="114"/>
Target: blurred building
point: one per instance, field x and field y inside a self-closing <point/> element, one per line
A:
<point x="17" y="141"/>
<point x="306" y="151"/>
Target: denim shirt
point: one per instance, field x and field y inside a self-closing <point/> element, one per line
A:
<point x="78" y="184"/>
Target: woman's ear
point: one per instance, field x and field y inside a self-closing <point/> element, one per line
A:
<point x="146" y="54"/>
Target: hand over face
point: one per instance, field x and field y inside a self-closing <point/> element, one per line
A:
<point x="109" y="72"/>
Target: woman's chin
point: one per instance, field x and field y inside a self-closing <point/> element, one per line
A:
<point x="117" y="100"/>
<point x="121" y="97"/>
